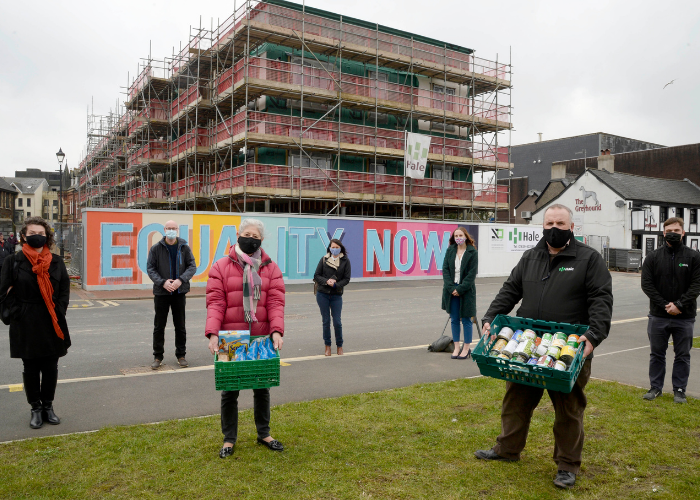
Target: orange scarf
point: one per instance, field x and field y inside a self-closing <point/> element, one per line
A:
<point x="40" y="265"/>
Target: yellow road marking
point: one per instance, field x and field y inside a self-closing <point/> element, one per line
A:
<point x="16" y="387"/>
<point x="282" y="363"/>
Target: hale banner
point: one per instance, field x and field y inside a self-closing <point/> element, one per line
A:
<point x="514" y="238"/>
<point x="416" y="155"/>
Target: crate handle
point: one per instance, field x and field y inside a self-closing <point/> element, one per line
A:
<point x="518" y="368"/>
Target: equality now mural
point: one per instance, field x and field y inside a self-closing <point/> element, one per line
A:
<point x="117" y="244"/>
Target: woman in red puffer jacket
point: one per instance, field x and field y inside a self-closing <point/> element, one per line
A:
<point x="231" y="307"/>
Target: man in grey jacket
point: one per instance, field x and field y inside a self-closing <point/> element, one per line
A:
<point x="171" y="265"/>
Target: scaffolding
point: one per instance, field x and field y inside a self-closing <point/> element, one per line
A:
<point x="284" y="108"/>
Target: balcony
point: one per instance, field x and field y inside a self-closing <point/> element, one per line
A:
<point x="313" y="182"/>
<point x="269" y="129"/>
<point x="283" y="79"/>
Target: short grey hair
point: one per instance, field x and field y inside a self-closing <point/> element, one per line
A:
<point x="257" y="224"/>
<point x="561" y="207"/>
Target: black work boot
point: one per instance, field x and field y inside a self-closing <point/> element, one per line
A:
<point x="49" y="414"/>
<point x="36" y="421"/>
<point x="33" y="393"/>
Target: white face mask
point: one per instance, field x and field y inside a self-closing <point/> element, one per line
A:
<point x="170" y="234"/>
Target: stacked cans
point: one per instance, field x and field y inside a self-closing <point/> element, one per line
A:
<point x="555" y="350"/>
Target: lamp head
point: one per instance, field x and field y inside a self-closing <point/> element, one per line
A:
<point x="60" y="156"/>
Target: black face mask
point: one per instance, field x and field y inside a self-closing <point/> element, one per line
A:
<point x="248" y="245"/>
<point x="673" y="239"/>
<point x="36" y="241"/>
<point x="557" y="238"/>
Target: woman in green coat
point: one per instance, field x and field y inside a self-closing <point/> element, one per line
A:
<point x="459" y="291"/>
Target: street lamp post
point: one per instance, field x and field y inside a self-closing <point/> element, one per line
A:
<point x="60" y="156"/>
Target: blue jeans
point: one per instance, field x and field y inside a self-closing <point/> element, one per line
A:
<point x="331" y="305"/>
<point x="467" y="322"/>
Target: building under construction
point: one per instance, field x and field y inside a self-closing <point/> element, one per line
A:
<point x="286" y="108"/>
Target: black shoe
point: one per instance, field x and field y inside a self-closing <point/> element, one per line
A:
<point x="469" y="354"/>
<point x="679" y="396"/>
<point x="492" y="455"/>
<point x="565" y="479"/>
<point x="652" y="394"/>
<point x="457" y="356"/>
<point x="156" y="363"/>
<point x="226" y="451"/>
<point x="36" y="421"/>
<point x="182" y="362"/>
<point x="49" y="415"/>
<point x="274" y="445"/>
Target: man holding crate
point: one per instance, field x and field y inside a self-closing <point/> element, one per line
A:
<point x="564" y="281"/>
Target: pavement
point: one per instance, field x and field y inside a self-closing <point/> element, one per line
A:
<point x="105" y="380"/>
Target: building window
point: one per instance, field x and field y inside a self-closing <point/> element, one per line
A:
<point x="19" y="202"/>
<point x="46" y="203"/>
<point x="55" y="203"/>
<point x="29" y="214"/>
<point x="439" y="173"/>
<point x="680" y="212"/>
<point x="54" y="217"/>
<point x="448" y="92"/>
<point x="693" y="215"/>
<point x="379" y="168"/>
<point x="663" y="214"/>
<point x="29" y="202"/>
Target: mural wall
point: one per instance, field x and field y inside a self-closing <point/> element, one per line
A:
<point x="117" y="244"/>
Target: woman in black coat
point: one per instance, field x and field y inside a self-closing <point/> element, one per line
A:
<point x="459" y="270"/>
<point x="332" y="275"/>
<point x="34" y="285"/>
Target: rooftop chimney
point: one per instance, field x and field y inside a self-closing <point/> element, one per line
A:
<point x="558" y="170"/>
<point x="606" y="161"/>
<point x="540" y="134"/>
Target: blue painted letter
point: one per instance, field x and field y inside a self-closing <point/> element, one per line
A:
<point x="109" y="250"/>
<point x="383" y="255"/>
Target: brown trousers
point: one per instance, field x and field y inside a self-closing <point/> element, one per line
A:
<point x="520" y="402"/>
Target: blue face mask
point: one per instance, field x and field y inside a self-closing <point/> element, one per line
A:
<point x="335" y="252"/>
<point x="171" y="234"/>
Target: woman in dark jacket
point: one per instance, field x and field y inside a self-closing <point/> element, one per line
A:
<point x="459" y="291"/>
<point x="332" y="275"/>
<point x="36" y="288"/>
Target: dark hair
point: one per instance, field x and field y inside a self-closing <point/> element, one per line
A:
<point x="470" y="240"/>
<point x="673" y="220"/>
<point x="340" y="244"/>
<point x="36" y="221"/>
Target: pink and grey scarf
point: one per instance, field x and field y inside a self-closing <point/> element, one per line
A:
<point x="251" y="267"/>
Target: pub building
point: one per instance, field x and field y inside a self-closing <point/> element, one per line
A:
<point x="617" y="210"/>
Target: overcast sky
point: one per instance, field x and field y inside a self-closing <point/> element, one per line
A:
<point x="579" y="67"/>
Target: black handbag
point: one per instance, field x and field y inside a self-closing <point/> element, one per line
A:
<point x="444" y="343"/>
<point x="7" y="301"/>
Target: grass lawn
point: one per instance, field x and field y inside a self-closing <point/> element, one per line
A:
<point x="408" y="443"/>
<point x="696" y="342"/>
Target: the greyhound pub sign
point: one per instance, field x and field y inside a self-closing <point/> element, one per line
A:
<point x="588" y="201"/>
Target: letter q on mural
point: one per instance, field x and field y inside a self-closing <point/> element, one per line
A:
<point x="118" y="241"/>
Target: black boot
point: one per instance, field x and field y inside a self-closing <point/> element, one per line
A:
<point x="31" y="389"/>
<point x="48" y="414"/>
<point x="36" y="421"/>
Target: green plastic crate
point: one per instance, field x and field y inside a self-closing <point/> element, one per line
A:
<point x="252" y="374"/>
<point x="522" y="373"/>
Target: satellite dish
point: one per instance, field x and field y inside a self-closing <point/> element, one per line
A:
<point x="619" y="203"/>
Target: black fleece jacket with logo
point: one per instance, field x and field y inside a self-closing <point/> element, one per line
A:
<point x="672" y="275"/>
<point x="574" y="286"/>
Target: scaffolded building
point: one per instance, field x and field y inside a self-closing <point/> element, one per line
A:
<point x="284" y="108"/>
